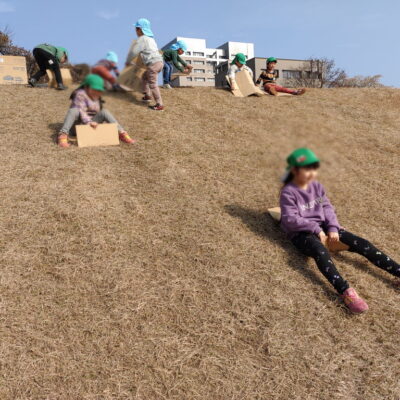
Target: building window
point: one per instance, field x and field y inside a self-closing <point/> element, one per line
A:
<point x="189" y="78"/>
<point x="198" y="54"/>
<point x="188" y="53"/>
<point x="289" y="74"/>
<point x="198" y="62"/>
<point x="200" y="79"/>
<point x="199" y="71"/>
<point x="211" y="79"/>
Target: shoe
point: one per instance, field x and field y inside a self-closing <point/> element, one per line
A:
<point x="167" y="86"/>
<point x="146" y="99"/>
<point x="124" y="137"/>
<point x="60" y="86"/>
<point x="353" y="301"/>
<point x="157" y="107"/>
<point x="300" y="92"/>
<point x="63" y="140"/>
<point x="273" y="91"/>
<point x="32" y="82"/>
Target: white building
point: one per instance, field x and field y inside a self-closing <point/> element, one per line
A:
<point x="205" y="60"/>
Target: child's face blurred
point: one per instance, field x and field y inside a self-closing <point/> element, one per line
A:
<point x="93" y="94"/>
<point x="180" y="52"/>
<point x="239" y="64"/>
<point x="139" y="32"/>
<point x="63" y="59"/>
<point x="271" y="66"/>
<point x="304" y="175"/>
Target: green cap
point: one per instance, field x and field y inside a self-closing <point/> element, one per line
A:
<point x="240" y="58"/>
<point x="271" y="59"/>
<point x="94" y="81"/>
<point x="301" y="158"/>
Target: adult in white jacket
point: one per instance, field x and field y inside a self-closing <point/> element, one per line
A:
<point x="147" y="47"/>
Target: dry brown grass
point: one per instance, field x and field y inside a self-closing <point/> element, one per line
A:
<point x="152" y="272"/>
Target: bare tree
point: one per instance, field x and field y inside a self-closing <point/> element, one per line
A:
<point x="360" y="81"/>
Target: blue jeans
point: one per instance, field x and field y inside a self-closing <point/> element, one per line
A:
<point x="167" y="72"/>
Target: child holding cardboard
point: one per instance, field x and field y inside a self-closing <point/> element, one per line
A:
<point x="49" y="57"/>
<point x="238" y="64"/>
<point x="172" y="59"/>
<point x="108" y="69"/>
<point x="308" y="218"/>
<point x="147" y="48"/>
<point x="268" y="78"/>
<point x="86" y="108"/>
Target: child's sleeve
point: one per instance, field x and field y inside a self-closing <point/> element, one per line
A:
<point x="291" y="220"/>
<point x="177" y="61"/>
<point x="232" y="71"/>
<point x="181" y="61"/>
<point x="260" y="78"/>
<point x="79" y="102"/>
<point x="135" y="49"/>
<point x="250" y="72"/>
<point x="331" y="220"/>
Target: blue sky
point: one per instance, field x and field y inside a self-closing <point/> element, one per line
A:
<point x="358" y="34"/>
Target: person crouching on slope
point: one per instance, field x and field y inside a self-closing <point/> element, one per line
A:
<point x="147" y="47"/>
<point x="86" y="108"/>
<point x="268" y="79"/>
<point x="238" y="64"/>
<point x="172" y="58"/>
<point x="308" y="218"/>
<point x="49" y="57"/>
<point x="106" y="68"/>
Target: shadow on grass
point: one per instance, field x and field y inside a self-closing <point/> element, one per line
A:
<point x="263" y="225"/>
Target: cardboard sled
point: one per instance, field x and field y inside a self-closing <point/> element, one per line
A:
<point x="103" y="135"/>
<point x="246" y="86"/>
<point x="131" y="76"/>
<point x="13" y="70"/>
<point x="178" y="74"/>
<point x="65" y="74"/>
<point x="275" y="213"/>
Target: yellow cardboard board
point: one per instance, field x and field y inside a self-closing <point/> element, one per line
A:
<point x="103" y="135"/>
<point x="13" y="70"/>
<point x="275" y="213"/>
<point x="65" y="74"/>
<point x="246" y="85"/>
<point x="131" y="76"/>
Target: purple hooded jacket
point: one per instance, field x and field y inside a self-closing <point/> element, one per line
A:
<point x="307" y="210"/>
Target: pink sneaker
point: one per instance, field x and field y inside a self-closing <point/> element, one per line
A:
<point x="353" y="301"/>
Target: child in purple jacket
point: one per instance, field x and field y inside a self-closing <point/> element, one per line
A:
<point x="308" y="218"/>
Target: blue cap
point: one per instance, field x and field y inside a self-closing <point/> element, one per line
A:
<point x="145" y="26"/>
<point x="112" y="56"/>
<point x="180" y="44"/>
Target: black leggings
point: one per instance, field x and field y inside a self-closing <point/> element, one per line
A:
<point x="311" y="246"/>
<point x="46" y="61"/>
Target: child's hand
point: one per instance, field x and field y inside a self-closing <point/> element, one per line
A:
<point x="93" y="124"/>
<point x="322" y="236"/>
<point x="333" y="237"/>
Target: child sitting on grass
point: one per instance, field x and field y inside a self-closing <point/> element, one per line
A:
<point x="308" y="218"/>
<point x="172" y="59"/>
<point x="238" y="64"/>
<point x="106" y="68"/>
<point x="268" y="78"/>
<point x="147" y="47"/>
<point x="49" y="57"/>
<point x="86" y="108"/>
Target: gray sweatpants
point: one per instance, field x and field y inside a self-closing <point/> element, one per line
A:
<point x="73" y="117"/>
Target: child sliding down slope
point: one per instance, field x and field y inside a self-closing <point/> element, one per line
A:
<point x="86" y="108"/>
<point x="106" y="67"/>
<point x="268" y="78"/>
<point x="147" y="47"/>
<point x="172" y="58"/>
<point x="308" y="217"/>
<point x="238" y="64"/>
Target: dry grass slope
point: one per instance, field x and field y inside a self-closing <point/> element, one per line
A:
<point x="152" y="272"/>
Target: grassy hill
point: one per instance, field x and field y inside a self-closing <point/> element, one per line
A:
<point x="152" y="272"/>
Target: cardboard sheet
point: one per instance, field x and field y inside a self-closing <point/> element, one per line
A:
<point x="103" y="135"/>
<point x="275" y="213"/>
<point x="66" y="76"/>
<point x="131" y="76"/>
<point x="13" y="70"/>
<point x="246" y="85"/>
